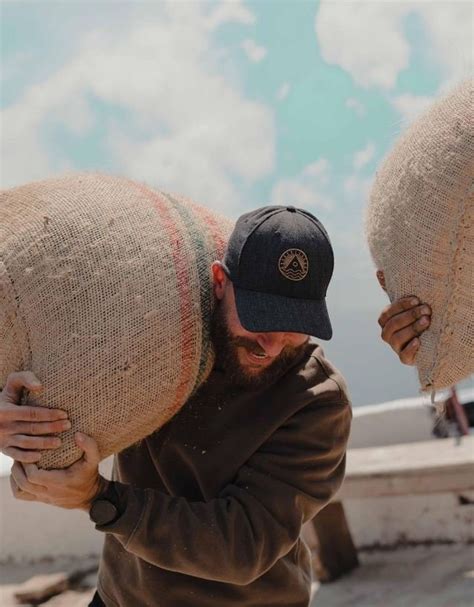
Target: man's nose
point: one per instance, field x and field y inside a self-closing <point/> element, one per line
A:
<point x="271" y="343"/>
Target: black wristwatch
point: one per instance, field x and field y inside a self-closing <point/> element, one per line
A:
<point x="105" y="507"/>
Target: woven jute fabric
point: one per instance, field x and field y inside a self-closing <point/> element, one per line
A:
<point x="106" y="295"/>
<point x="421" y="234"/>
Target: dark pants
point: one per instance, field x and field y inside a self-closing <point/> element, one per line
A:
<point x="96" y="601"/>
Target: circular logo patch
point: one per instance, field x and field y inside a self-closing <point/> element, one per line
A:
<point x="293" y="264"/>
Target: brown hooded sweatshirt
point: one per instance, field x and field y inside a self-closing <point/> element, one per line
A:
<point x="213" y="503"/>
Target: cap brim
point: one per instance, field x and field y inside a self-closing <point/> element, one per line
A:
<point x="265" y="312"/>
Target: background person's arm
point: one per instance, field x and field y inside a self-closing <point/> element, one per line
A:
<point x="402" y="322"/>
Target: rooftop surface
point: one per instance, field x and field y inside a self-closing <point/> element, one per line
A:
<point x="421" y="576"/>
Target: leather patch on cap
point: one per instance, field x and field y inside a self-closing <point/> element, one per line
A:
<point x="293" y="264"/>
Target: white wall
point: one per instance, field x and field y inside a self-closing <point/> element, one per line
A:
<point x="389" y="521"/>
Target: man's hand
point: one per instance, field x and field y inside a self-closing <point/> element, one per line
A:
<point x="402" y="323"/>
<point x="26" y="430"/>
<point x="74" y="487"/>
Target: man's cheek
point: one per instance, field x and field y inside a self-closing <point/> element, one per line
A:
<point x="240" y="356"/>
<point x="243" y="362"/>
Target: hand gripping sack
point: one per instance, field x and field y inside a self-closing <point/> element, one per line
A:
<point x="421" y="234"/>
<point x="106" y="295"/>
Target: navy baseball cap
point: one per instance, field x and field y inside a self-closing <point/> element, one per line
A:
<point x="280" y="261"/>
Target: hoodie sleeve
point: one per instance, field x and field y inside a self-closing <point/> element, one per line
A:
<point x="256" y="519"/>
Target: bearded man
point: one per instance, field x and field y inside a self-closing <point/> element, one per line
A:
<point x="208" y="510"/>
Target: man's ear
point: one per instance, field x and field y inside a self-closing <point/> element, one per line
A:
<point x="381" y="278"/>
<point x="219" y="279"/>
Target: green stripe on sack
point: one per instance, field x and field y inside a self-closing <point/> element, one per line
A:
<point x="193" y="225"/>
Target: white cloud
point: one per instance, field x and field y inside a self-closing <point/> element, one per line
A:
<point x="21" y="128"/>
<point x="230" y="11"/>
<point x="358" y="188"/>
<point x="365" y="39"/>
<point x="254" y="52"/>
<point x="299" y="194"/>
<point x="364" y="156"/>
<point x="12" y="66"/>
<point x="451" y="29"/>
<point x="411" y="106"/>
<point x="283" y="91"/>
<point x="308" y="189"/>
<point x="319" y="169"/>
<point x="77" y="116"/>
<point x="358" y="107"/>
<point x="368" y="40"/>
<point x="357" y="185"/>
<point x="187" y="128"/>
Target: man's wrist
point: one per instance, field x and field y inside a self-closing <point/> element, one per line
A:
<point x="105" y="506"/>
<point x="101" y="487"/>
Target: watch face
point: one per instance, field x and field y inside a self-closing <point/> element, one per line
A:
<point x="103" y="512"/>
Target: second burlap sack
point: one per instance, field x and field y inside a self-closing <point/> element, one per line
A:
<point x="420" y="231"/>
<point x="106" y="295"/>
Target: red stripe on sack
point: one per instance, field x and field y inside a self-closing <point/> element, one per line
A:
<point x="189" y="342"/>
<point x="213" y="225"/>
<point x="214" y="228"/>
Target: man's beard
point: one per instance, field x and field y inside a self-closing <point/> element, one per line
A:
<point x="226" y="348"/>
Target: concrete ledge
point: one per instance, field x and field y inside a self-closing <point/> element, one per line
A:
<point x="436" y="466"/>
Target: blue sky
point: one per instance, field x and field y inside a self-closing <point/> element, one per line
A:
<point x="238" y="104"/>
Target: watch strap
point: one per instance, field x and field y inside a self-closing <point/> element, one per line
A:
<point x="105" y="507"/>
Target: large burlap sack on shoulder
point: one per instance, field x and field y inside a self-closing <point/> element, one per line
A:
<point x="421" y="234"/>
<point x="106" y="295"/>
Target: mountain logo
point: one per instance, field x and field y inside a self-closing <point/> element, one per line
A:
<point x="293" y="264"/>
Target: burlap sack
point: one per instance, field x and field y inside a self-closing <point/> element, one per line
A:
<point x="106" y="294"/>
<point x="420" y="231"/>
